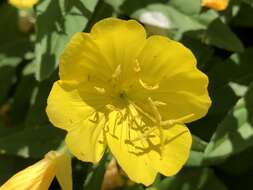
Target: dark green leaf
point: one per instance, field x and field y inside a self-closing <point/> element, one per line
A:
<point x="220" y="35"/>
<point x="11" y="165"/>
<point x="95" y="178"/>
<point x="235" y="133"/>
<point x="192" y="179"/>
<point x="56" y="22"/>
<point x="32" y="142"/>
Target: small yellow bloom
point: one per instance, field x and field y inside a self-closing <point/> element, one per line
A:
<point x="119" y="89"/>
<point x="218" y="5"/>
<point x="23" y="4"/>
<point x="40" y="175"/>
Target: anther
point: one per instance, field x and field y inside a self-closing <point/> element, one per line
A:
<point x="149" y="87"/>
<point x="159" y="103"/>
<point x="117" y="71"/>
<point x="110" y="107"/>
<point x="180" y="120"/>
<point x="137" y="67"/>
<point x="155" y="111"/>
<point x="94" y="118"/>
<point x="99" y="90"/>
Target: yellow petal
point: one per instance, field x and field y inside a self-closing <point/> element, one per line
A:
<point x="77" y="110"/>
<point x="120" y="42"/>
<point x="82" y="61"/>
<point x="175" y="151"/>
<point x="64" y="170"/>
<point x="23" y="3"/>
<point x="218" y="5"/>
<point x="166" y="58"/>
<point x="179" y="85"/>
<point x="36" y="177"/>
<point x="131" y="159"/>
<point x="68" y="106"/>
<point x="87" y="141"/>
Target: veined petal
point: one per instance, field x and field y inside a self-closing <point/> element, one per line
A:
<point x="23" y="3"/>
<point x="120" y="41"/>
<point x="36" y="177"/>
<point x="130" y="156"/>
<point x="82" y="61"/>
<point x="166" y="58"/>
<point x="86" y="141"/>
<point x="68" y="106"/>
<point x="174" y="152"/>
<point x="180" y="86"/>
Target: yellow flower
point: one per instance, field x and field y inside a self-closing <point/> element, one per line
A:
<point x="119" y="89"/>
<point x="40" y="175"/>
<point x="23" y="4"/>
<point x="218" y="5"/>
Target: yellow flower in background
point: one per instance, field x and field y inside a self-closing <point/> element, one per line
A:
<point x="23" y="4"/>
<point x="218" y="5"/>
<point x="119" y="89"/>
<point x="40" y="175"/>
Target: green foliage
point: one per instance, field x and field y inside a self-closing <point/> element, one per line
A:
<point x="32" y="40"/>
<point x="235" y="132"/>
<point x="56" y="22"/>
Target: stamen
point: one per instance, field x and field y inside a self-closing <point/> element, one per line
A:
<point x="94" y="118"/>
<point x="132" y="105"/>
<point x="99" y="90"/>
<point x="159" y="103"/>
<point x="117" y="72"/>
<point x="110" y="107"/>
<point x="137" y="67"/>
<point x="155" y="111"/>
<point x="158" y="120"/>
<point x="180" y="120"/>
<point x="115" y="124"/>
<point x="148" y="87"/>
<point x="145" y="135"/>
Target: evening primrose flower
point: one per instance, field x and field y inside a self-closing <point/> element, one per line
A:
<point x="134" y="94"/>
<point x="40" y="175"/>
<point x="23" y="4"/>
<point x="218" y="5"/>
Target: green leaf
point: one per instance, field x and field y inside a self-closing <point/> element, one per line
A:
<point x="197" y="152"/>
<point x="37" y="111"/>
<point x="192" y="179"/>
<point x="250" y="2"/>
<point x="21" y="99"/>
<point x="195" y="159"/>
<point x="103" y="9"/>
<point x="231" y="165"/>
<point x="244" y="16"/>
<point x="189" y="7"/>
<point x="235" y="133"/>
<point x="7" y="78"/>
<point x="95" y="178"/>
<point x="178" y="20"/>
<point x="56" y="22"/>
<point x="228" y="80"/>
<point x="128" y="7"/>
<point x="198" y="144"/>
<point x="220" y="35"/>
<point x="10" y="165"/>
<point x="201" y="51"/>
<point x="13" y="42"/>
<point x="32" y="142"/>
<point x="13" y="45"/>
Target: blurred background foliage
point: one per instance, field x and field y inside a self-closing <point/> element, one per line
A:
<point x="31" y="41"/>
